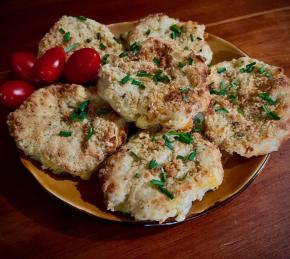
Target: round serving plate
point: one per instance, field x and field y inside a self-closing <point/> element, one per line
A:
<point x="87" y="196"/>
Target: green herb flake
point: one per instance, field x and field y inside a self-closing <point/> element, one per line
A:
<point x="181" y="65"/>
<point x="98" y="35"/>
<point x="104" y="60"/>
<point x="261" y="70"/>
<point x="180" y="157"/>
<point x="103" y="111"/>
<point x="176" y="31"/>
<point x="199" y="38"/>
<point x="159" y="77"/>
<point x="137" y="175"/>
<point x="135" y="156"/>
<point x="156" y="61"/>
<point x="184" y="90"/>
<point x="163" y="177"/>
<point x="123" y="54"/>
<point x="190" y="61"/>
<point x="135" y="47"/>
<point x="222" y="91"/>
<point x="221" y="110"/>
<point x="165" y="191"/>
<point x="271" y="115"/>
<point x="191" y="37"/>
<point x="125" y="79"/>
<point x="153" y="164"/>
<point x="147" y="32"/>
<point x="241" y="111"/>
<point x="266" y="97"/>
<point x="81" y="18"/>
<point x="70" y="48"/>
<point x="233" y="98"/>
<point x="221" y="70"/>
<point x="168" y="142"/>
<point x="185" y="98"/>
<point x="102" y="46"/>
<point x="64" y="133"/>
<point x="118" y="40"/>
<point x="90" y="133"/>
<point x="184" y="137"/>
<point x="198" y="122"/>
<point x="142" y="73"/>
<point x="80" y="113"/>
<point x="192" y="156"/>
<point x="66" y="37"/>
<point x="61" y="30"/>
<point x="157" y="182"/>
<point x="138" y="83"/>
<point x="249" y="68"/>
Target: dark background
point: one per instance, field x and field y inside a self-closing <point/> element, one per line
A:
<point x="255" y="225"/>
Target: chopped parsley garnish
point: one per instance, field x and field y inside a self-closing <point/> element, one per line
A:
<point x="135" y="47"/>
<point x="191" y="156"/>
<point x="271" y="115"/>
<point x="103" y="111"/>
<point x="241" y="111"/>
<point x="180" y="157"/>
<point x="184" y="137"/>
<point x="266" y="97"/>
<point x="191" y="37"/>
<point x="88" y="40"/>
<point x="160" y="185"/>
<point x="163" y="176"/>
<point x="137" y="175"/>
<point x="105" y="59"/>
<point x="71" y="47"/>
<point x="198" y="122"/>
<point x="123" y="54"/>
<point x="221" y="70"/>
<point x="153" y="164"/>
<point x="199" y="38"/>
<point x="176" y="31"/>
<point x="81" y="18"/>
<point x="66" y="37"/>
<point x="135" y="156"/>
<point x="90" y="133"/>
<point x="221" y="91"/>
<point x="80" y="113"/>
<point x="61" y="30"/>
<point x="190" y="61"/>
<point x="117" y="40"/>
<point x="147" y="32"/>
<point x="98" y="35"/>
<point x="157" y="182"/>
<point x="156" y="61"/>
<point x="168" y="142"/>
<point x="64" y="133"/>
<point x="185" y="98"/>
<point x="102" y="46"/>
<point x="142" y="73"/>
<point x="233" y="98"/>
<point x="158" y="77"/>
<point x="181" y="65"/>
<point x="261" y="70"/>
<point x="249" y="68"/>
<point x="184" y="90"/>
<point x="138" y="83"/>
<point x="233" y="84"/>
<point x="125" y="79"/>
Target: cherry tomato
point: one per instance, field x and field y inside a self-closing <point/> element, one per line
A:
<point x="13" y="93"/>
<point x="23" y="65"/>
<point x="49" y="67"/>
<point x="82" y="66"/>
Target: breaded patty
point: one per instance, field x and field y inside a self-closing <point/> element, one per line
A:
<point x="190" y="36"/>
<point x="156" y="177"/>
<point x="74" y="33"/>
<point x="67" y="128"/>
<point x="155" y="83"/>
<point x="250" y="109"/>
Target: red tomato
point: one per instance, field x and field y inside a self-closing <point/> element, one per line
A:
<point x="82" y="66"/>
<point x="49" y="67"/>
<point x="13" y="93"/>
<point x="23" y="65"/>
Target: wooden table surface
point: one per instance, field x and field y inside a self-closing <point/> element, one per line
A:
<point x="254" y="225"/>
